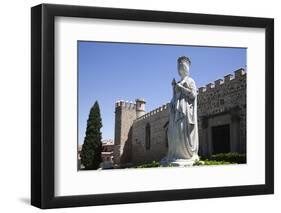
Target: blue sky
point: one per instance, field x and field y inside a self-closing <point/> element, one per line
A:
<point x="108" y="72"/>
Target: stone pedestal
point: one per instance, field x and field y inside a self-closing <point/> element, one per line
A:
<point x="179" y="162"/>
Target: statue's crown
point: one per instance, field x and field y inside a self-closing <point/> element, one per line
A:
<point x="184" y="59"/>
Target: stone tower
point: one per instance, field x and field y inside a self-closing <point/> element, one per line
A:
<point x="140" y="107"/>
<point x="125" y="114"/>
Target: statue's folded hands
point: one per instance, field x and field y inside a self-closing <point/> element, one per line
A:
<point x="188" y="91"/>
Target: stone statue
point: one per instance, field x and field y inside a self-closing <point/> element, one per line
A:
<point x="182" y="127"/>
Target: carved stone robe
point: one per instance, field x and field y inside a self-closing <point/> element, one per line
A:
<point x="183" y="128"/>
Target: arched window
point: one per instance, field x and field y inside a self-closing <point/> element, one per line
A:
<point x="166" y="138"/>
<point x="147" y="136"/>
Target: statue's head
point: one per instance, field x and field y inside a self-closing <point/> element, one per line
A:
<point x="183" y="66"/>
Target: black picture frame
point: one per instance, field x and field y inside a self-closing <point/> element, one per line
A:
<point x="43" y="102"/>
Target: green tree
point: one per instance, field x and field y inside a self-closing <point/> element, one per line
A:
<point x="91" y="149"/>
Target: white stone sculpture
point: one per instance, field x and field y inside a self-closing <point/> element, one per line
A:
<point x="183" y="140"/>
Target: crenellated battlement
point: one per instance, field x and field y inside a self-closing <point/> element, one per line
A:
<point x="154" y="112"/>
<point x="125" y="104"/>
<point x="228" y="79"/>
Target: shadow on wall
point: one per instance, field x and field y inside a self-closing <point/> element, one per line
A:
<point x="126" y="156"/>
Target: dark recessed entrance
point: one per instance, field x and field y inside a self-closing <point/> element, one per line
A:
<point x="221" y="139"/>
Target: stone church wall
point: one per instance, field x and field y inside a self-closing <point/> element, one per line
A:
<point x="157" y="120"/>
<point x="223" y="102"/>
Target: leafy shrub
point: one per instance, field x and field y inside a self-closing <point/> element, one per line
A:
<point x="232" y="157"/>
<point x="218" y="159"/>
<point x="211" y="162"/>
<point x="153" y="164"/>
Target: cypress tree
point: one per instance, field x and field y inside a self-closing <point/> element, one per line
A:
<point x="91" y="149"/>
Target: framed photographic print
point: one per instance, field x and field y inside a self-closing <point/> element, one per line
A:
<point x="140" y="106"/>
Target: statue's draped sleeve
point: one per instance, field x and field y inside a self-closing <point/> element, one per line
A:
<point x="190" y="89"/>
<point x="187" y="104"/>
